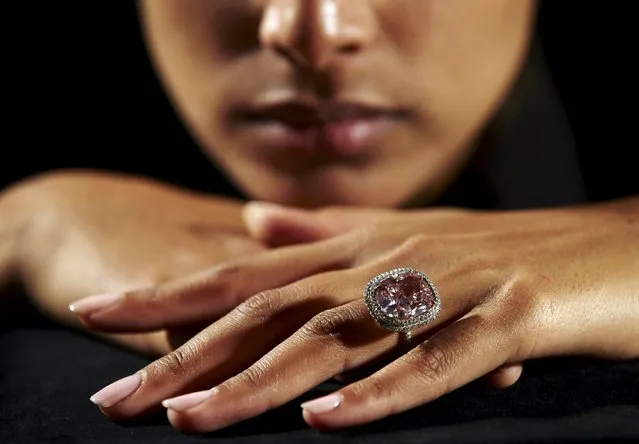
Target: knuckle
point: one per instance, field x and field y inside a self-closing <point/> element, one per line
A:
<point x="431" y="363"/>
<point x="332" y="323"/>
<point x="322" y="325"/>
<point x="379" y="388"/>
<point x="175" y="361"/>
<point x="253" y="377"/>
<point x="179" y="361"/>
<point x="262" y="306"/>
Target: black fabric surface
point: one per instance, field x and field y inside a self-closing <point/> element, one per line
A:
<point x="48" y="375"/>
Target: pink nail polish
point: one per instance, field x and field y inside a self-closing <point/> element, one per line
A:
<point x="185" y="402"/>
<point x="93" y="303"/>
<point x="324" y="404"/>
<point x="118" y="391"/>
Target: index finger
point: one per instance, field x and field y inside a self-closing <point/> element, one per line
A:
<point x="225" y="348"/>
<point x="209" y="294"/>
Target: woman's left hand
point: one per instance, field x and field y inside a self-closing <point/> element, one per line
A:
<point x="513" y="286"/>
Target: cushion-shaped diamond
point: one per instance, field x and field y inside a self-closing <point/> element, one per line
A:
<point x="404" y="296"/>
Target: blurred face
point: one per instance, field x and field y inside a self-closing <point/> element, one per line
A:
<point x="349" y="102"/>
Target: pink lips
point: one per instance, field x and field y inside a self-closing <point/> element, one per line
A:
<point x="342" y="129"/>
<point x="345" y="137"/>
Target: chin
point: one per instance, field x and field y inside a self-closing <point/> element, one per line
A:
<point x="314" y="191"/>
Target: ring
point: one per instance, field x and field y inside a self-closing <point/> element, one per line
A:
<point x="401" y="300"/>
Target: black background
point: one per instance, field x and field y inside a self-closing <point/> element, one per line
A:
<point x="81" y="92"/>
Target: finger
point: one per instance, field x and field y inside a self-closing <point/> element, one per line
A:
<point x="333" y="342"/>
<point x="222" y="350"/>
<point x="248" y="333"/>
<point x="207" y="295"/>
<point x="455" y="356"/>
<point x="504" y="376"/>
<point x="277" y="226"/>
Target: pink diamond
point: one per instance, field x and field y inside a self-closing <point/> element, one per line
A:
<point x="404" y="297"/>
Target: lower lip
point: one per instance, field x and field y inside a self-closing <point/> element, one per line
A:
<point x="345" y="138"/>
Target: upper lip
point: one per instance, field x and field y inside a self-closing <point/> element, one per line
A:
<point x="304" y="113"/>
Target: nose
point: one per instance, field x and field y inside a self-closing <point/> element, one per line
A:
<point x="312" y="33"/>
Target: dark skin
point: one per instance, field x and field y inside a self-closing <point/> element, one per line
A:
<point x="274" y="292"/>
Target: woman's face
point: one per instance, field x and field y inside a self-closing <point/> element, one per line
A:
<point x="331" y="102"/>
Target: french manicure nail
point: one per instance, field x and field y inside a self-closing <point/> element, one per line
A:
<point x="324" y="404"/>
<point x="93" y="303"/>
<point x="118" y="391"/>
<point x="185" y="402"/>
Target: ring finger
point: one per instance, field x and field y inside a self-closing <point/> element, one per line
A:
<point x="458" y="354"/>
<point x="334" y="341"/>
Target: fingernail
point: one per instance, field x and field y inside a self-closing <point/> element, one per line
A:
<point x="118" y="391"/>
<point x="255" y="210"/>
<point x="93" y="303"/>
<point x="263" y="205"/>
<point x="324" y="404"/>
<point x="185" y="402"/>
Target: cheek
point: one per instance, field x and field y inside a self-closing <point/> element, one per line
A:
<point x="189" y="46"/>
<point x="464" y="57"/>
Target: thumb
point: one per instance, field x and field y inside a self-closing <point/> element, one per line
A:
<point x="278" y="226"/>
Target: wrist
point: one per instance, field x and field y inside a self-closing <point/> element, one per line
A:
<point x="22" y="206"/>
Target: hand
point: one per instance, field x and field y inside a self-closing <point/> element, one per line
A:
<point x="88" y="233"/>
<point x="522" y="285"/>
<point x="276" y="225"/>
